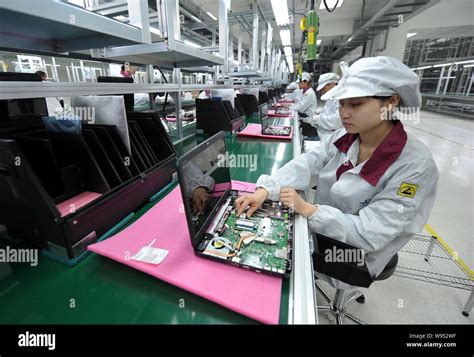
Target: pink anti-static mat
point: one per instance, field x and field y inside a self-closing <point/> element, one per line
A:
<point x="248" y="293"/>
<point x="255" y="130"/>
<point x="76" y="202"/>
<point x="286" y="101"/>
<point x="272" y="113"/>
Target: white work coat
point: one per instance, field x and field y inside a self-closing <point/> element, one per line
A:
<point x="377" y="205"/>
<point x="307" y="104"/>
<point x="328" y="120"/>
<point x="296" y="95"/>
<point x="203" y="95"/>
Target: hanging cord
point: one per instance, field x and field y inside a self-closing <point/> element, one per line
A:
<point x="163" y="111"/>
<point x="327" y="7"/>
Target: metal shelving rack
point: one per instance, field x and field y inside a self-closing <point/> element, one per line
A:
<point x="425" y="259"/>
<point x="59" y="27"/>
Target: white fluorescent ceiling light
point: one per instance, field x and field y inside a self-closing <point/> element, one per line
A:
<point x="211" y="15"/>
<point x="411" y="34"/>
<point x="287" y="51"/>
<point x="285" y="37"/>
<point x="280" y="10"/>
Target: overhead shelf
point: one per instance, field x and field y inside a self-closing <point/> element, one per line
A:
<point x="246" y="74"/>
<point x="58" y="27"/>
<point x="165" y="53"/>
<point x="17" y="90"/>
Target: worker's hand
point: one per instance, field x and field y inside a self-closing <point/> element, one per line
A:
<point x="291" y="199"/>
<point x="253" y="201"/>
<point x="201" y="199"/>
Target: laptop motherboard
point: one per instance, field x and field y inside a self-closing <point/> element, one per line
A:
<point x="262" y="241"/>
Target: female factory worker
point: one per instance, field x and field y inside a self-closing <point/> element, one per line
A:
<point x="376" y="184"/>
<point x="307" y="102"/>
<point x="294" y="92"/>
<point x="328" y="120"/>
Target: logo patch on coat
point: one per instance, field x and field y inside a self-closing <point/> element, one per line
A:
<point x="407" y="190"/>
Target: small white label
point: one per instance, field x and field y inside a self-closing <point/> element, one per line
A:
<point x="150" y="255"/>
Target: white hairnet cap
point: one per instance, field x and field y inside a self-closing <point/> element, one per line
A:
<point x="344" y="67"/>
<point x="305" y="76"/>
<point x="327" y="78"/>
<point x="292" y="85"/>
<point x="378" y="76"/>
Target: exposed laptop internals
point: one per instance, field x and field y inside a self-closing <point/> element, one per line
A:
<point x="262" y="243"/>
<point x="273" y="130"/>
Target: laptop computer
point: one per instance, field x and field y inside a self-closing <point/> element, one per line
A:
<point x="261" y="243"/>
<point x="273" y="130"/>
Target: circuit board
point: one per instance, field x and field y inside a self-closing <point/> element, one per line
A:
<point x="262" y="242"/>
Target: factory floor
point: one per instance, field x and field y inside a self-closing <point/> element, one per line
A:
<point x="404" y="300"/>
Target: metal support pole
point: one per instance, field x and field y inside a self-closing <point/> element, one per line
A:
<point x="172" y="19"/>
<point x="255" y="37"/>
<point x="239" y="48"/>
<point x="138" y="17"/>
<point x="224" y="6"/>
<point x="177" y="102"/>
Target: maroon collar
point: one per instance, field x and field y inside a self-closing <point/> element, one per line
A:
<point x="383" y="157"/>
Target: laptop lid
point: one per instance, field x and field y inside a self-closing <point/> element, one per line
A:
<point x="264" y="119"/>
<point x="205" y="183"/>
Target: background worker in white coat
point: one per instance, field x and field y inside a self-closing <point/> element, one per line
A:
<point x="328" y="120"/>
<point x="376" y="183"/>
<point x="294" y="92"/>
<point x="308" y="102"/>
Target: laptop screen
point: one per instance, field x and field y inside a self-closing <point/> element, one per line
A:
<point x="205" y="179"/>
<point x="265" y="123"/>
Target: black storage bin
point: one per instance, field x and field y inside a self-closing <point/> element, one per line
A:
<point x="215" y="115"/>
<point x="41" y="171"/>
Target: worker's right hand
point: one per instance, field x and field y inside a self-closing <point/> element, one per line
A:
<point x="253" y="201"/>
<point x="201" y="199"/>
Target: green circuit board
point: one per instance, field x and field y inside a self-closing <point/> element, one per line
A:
<point x="262" y="242"/>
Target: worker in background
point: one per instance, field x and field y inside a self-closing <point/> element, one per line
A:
<point x="53" y="104"/>
<point x="205" y="94"/>
<point x="308" y="103"/>
<point x="293" y="92"/>
<point x="42" y="74"/>
<point x="328" y="120"/>
<point x="125" y="71"/>
<point x="376" y="183"/>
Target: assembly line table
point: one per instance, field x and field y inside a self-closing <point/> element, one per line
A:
<point x="101" y="291"/>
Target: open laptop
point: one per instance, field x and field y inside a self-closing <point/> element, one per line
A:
<point x="262" y="243"/>
<point x="273" y="130"/>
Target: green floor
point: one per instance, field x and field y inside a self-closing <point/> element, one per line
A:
<point x="99" y="290"/>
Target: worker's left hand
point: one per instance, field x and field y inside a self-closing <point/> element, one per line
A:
<point x="291" y="199"/>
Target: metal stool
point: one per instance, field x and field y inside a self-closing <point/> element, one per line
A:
<point x="343" y="298"/>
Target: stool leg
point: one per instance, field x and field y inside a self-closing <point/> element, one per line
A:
<point x="353" y="296"/>
<point x="468" y="306"/>
<point x="323" y="293"/>
<point x="355" y="319"/>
